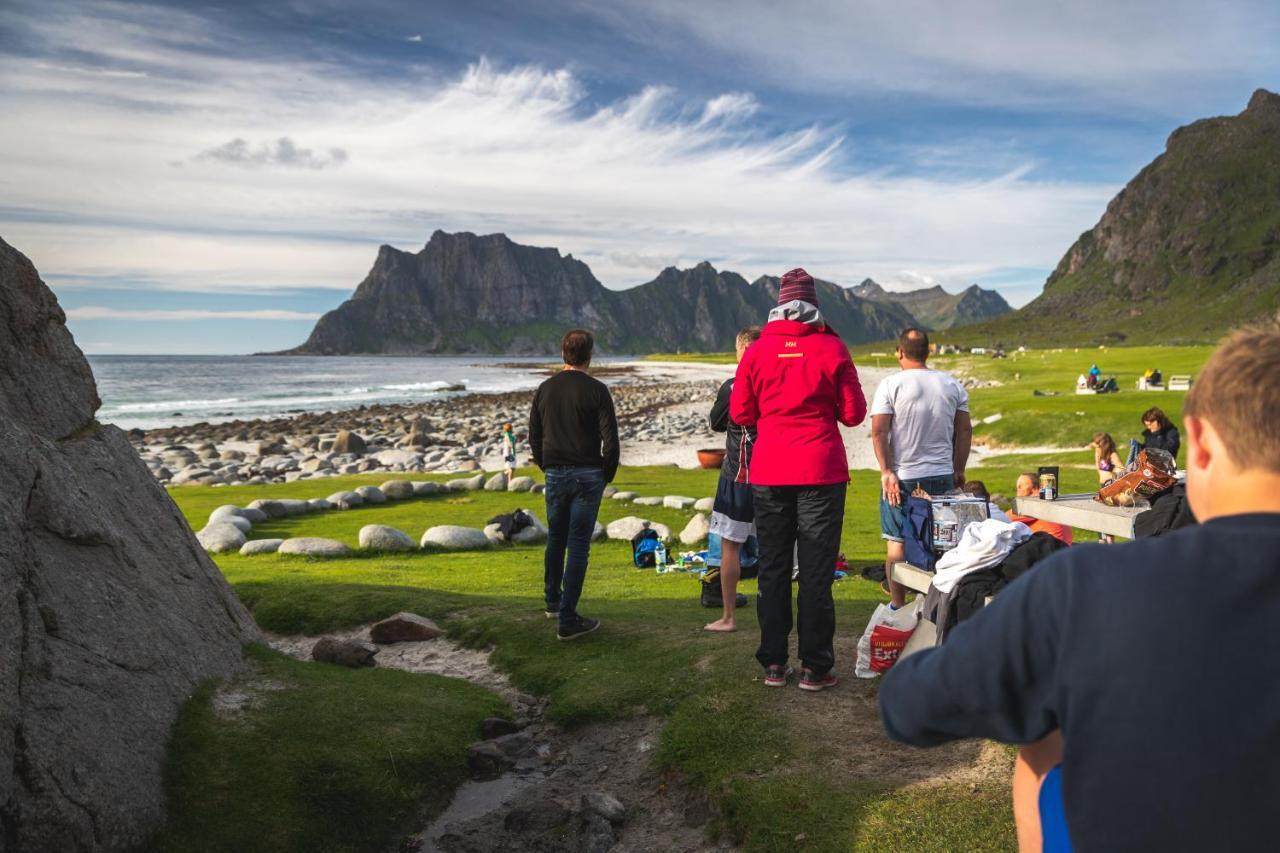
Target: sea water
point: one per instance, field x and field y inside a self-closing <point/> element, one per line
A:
<point x="149" y="391"/>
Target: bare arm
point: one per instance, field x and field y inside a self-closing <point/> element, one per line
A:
<point x="962" y="442"/>
<point x="881" y="425"/>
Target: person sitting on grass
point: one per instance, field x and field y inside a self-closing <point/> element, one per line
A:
<point x="1159" y="432"/>
<point x="1105" y="457"/>
<point x="1028" y="486"/>
<point x="1150" y="713"/>
<point x="733" y="517"/>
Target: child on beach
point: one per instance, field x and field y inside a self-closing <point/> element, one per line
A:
<point x="1106" y="458"/>
<point x="508" y="449"/>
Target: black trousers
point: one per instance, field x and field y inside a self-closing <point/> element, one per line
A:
<point x="805" y="521"/>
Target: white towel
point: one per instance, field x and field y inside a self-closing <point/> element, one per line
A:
<point x="982" y="544"/>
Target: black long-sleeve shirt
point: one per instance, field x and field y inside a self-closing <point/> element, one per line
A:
<point x="1154" y="658"/>
<point x="572" y="422"/>
<point x="1165" y="439"/>
<point x="739" y="439"/>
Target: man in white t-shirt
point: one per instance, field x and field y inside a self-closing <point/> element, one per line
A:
<point x="921" y="432"/>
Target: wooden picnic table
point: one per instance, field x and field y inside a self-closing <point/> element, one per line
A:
<point x="1082" y="511"/>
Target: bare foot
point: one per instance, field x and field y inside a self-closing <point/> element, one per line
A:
<point x="720" y="626"/>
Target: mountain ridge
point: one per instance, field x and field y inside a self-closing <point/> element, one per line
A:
<point x="936" y="309"/>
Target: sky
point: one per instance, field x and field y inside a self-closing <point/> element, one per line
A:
<point x="192" y="178"/>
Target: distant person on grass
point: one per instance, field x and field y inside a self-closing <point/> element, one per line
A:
<point x="795" y="386"/>
<point x="1139" y="672"/>
<point x="921" y="433"/>
<point x="1028" y="486"/>
<point x="573" y="433"/>
<point x="733" y="516"/>
<point x="508" y="450"/>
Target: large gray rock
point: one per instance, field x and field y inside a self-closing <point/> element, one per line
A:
<point x="273" y="509"/>
<point x="352" y="653"/>
<point x="678" y="502"/>
<point x="110" y="612"/>
<point x="696" y="530"/>
<point x="624" y="496"/>
<point x="652" y="500"/>
<point x="520" y="484"/>
<point x="625" y="528"/>
<point x="531" y="535"/>
<point x="314" y="546"/>
<point x="348" y="442"/>
<point x="294" y="506"/>
<point x="497" y="483"/>
<point x="346" y="500"/>
<point x="260" y="546"/>
<point x="380" y="537"/>
<point x="470" y="484"/>
<point x="423" y="488"/>
<point x="221" y="537"/>
<point x="397" y="490"/>
<point x="454" y="538"/>
<point x="704" y="504"/>
<point x="371" y="494"/>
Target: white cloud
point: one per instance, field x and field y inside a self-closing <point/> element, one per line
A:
<point x="524" y="150"/>
<point x="94" y="312"/>
<point x="414" y="38"/>
<point x="283" y="152"/>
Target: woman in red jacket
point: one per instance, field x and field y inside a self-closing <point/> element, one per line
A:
<point x="795" y="385"/>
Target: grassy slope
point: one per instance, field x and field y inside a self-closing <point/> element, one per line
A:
<point x="728" y="736"/>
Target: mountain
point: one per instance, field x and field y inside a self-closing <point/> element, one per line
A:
<point x="934" y="308"/>
<point x="1187" y="250"/>
<point x="489" y="294"/>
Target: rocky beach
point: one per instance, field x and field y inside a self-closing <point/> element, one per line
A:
<point x="662" y="416"/>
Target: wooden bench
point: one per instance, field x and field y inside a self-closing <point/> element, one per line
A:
<point x="1180" y="382"/>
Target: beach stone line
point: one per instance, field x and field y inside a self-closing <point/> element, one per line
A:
<point x="371" y="494"/>
<point x="468" y="484"/>
<point x="696" y="530"/>
<point x="295" y="507"/>
<point x="404" y="628"/>
<point x="346" y="500"/>
<point x="705" y="504"/>
<point x="221" y="537"/>
<point x="424" y="488"/>
<point x="273" y="509"/>
<point x="455" y="538"/>
<point x="232" y="511"/>
<point x="320" y="505"/>
<point x="314" y="546"/>
<point x="397" y="490"/>
<point x="95" y="556"/>
<point x="649" y="501"/>
<point x="678" y="502"/>
<point x="625" y="496"/>
<point x="260" y="546"/>
<point x="348" y="442"/>
<point x="520" y="484"/>
<point x="352" y="653"/>
<point x="380" y="537"/>
<point x="241" y="524"/>
<point x="497" y="483"/>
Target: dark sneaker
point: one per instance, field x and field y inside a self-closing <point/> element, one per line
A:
<point x="552" y="613"/>
<point x="776" y="675"/>
<point x="577" y="629"/>
<point x="810" y="681"/>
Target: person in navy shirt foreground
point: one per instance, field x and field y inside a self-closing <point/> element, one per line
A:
<point x="1154" y="664"/>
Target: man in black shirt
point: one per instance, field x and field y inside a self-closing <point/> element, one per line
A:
<point x="1142" y="668"/>
<point x="573" y="432"/>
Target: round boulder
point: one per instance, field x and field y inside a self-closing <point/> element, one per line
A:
<point x="625" y="528"/>
<point x="348" y="442"/>
<point x="314" y="546"/>
<point x="260" y="546"/>
<point x="346" y="500"/>
<point x="454" y="537"/>
<point x="625" y="496"/>
<point x="497" y="483"/>
<point x="404" y="627"/>
<point x="295" y="507"/>
<point x="221" y="538"/>
<point x="705" y="504"/>
<point x="520" y="484"/>
<point x="649" y="501"/>
<point x="598" y="532"/>
<point x="227" y="511"/>
<point x="319" y="505"/>
<point x="421" y="488"/>
<point x="397" y="490"/>
<point x="371" y="494"/>
<point x="273" y="509"/>
<point x="380" y="537"/>
<point x="469" y="484"/>
<point x="696" y="530"/>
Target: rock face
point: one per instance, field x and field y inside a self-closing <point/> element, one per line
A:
<point x="106" y="627"/>
<point x="935" y="308"/>
<point x="469" y="293"/>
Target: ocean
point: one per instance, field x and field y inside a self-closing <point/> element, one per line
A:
<point x="149" y="391"/>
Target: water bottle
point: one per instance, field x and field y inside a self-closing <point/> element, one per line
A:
<point x="660" y="557"/>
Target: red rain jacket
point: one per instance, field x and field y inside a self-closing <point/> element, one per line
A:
<point x="793" y="385"/>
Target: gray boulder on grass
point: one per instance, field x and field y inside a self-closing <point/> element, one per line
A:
<point x="626" y="528"/>
<point x="696" y="530"/>
<point x="397" y="490"/>
<point x="371" y="494"/>
<point x="520" y="484"/>
<point x="497" y="483"/>
<point x="228" y="511"/>
<point x="455" y="538"/>
<point x="678" y="502"/>
<point x="260" y="546"/>
<point x="625" y="496"/>
<point x="295" y="507"/>
<point x="493" y="532"/>
<point x="314" y="546"/>
<point x="469" y="484"/>
<point x="221" y="537"/>
<point x="346" y="500"/>
<point x="610" y="491"/>
<point x="273" y="509"/>
<point x="241" y="524"/>
<point x="380" y="537"/>
<point x="534" y="533"/>
<point x="111" y="612"/>
<point x="648" y="501"/>
<point x="348" y="442"/>
<point x="705" y="504"/>
<point x="319" y="505"/>
<point x="598" y="532"/>
<point x="255" y="516"/>
<point x="404" y="628"/>
<point x="422" y="488"/>
<point x="352" y="653"/>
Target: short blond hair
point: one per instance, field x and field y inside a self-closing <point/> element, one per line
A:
<point x="746" y="337"/>
<point x="1238" y="391"/>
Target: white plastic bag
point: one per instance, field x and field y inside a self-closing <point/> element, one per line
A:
<point x="886" y="635"/>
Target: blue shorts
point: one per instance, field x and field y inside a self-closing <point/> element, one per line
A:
<point x="734" y="515"/>
<point x="893" y="517"/>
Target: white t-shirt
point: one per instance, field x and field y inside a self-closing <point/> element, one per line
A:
<point x="923" y="403"/>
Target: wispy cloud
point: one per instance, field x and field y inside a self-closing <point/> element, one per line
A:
<point x="414" y="38"/>
<point x="95" y="312"/>
<point x="283" y="152"/>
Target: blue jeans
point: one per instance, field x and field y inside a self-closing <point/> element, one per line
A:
<point x="573" y="498"/>
<point x="892" y="518"/>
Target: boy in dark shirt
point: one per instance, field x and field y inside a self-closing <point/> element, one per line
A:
<point x="573" y="433"/>
<point x="1142" y="668"/>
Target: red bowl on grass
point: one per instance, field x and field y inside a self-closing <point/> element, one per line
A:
<point x="711" y="457"/>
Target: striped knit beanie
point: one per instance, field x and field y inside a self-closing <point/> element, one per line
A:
<point x="797" y="284"/>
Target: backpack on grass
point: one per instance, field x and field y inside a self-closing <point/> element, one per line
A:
<point x="644" y="548"/>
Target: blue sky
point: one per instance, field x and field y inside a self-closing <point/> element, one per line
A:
<point x="190" y="179"/>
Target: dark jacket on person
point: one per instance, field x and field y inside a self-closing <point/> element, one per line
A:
<point x="1170" y="510"/>
<point x="738" y="441"/>
<point x="1150" y="657"/>
<point x="572" y="422"/>
<point x="1165" y="439"/>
